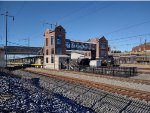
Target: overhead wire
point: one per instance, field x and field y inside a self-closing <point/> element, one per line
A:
<point x="93" y="12"/>
<point x="128" y="27"/>
<point x="129" y="37"/>
<point x="75" y="11"/>
<point x="16" y="44"/>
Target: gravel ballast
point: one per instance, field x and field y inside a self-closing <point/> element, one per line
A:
<point x="137" y="86"/>
<point x="97" y="100"/>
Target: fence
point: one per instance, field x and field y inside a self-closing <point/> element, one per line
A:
<point x="113" y="71"/>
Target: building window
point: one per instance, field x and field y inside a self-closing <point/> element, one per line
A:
<point x="52" y="51"/>
<point x="59" y="40"/>
<point x="46" y="60"/>
<point x="85" y="54"/>
<point x="103" y="46"/>
<point x="103" y="52"/>
<point x="52" y="40"/>
<point x="59" y="51"/>
<point x="46" y="51"/>
<point x="46" y="41"/>
<point x="89" y="54"/>
<point x="52" y="59"/>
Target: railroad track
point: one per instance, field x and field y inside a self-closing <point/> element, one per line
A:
<point x="137" y="94"/>
<point x="124" y="79"/>
<point x="144" y="68"/>
<point x="147" y="82"/>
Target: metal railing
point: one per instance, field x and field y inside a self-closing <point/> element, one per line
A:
<point x="113" y="71"/>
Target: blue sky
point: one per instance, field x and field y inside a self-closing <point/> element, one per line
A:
<point x="124" y="24"/>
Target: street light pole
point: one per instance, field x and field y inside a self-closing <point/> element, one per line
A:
<point x="6" y="15"/>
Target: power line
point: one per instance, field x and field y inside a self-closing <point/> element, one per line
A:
<point x="124" y="44"/>
<point x="47" y="23"/>
<point x="128" y="27"/>
<point x="93" y="12"/>
<point x="130" y="37"/>
<point x="14" y="43"/>
<point x="75" y="11"/>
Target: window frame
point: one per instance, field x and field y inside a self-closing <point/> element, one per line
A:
<point x="46" y="59"/>
<point x="52" y="59"/>
<point x="59" y="50"/>
<point x="52" y="51"/>
<point x="46" y="42"/>
<point x="47" y="52"/>
<point x="52" y="40"/>
<point x="59" y="40"/>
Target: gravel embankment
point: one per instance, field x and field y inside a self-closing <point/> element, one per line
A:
<point x="19" y="95"/>
<point x="95" y="99"/>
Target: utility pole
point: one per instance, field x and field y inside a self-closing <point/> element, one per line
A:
<point x="145" y="52"/>
<point x="6" y="15"/>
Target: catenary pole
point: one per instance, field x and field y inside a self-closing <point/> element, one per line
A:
<point x="6" y="15"/>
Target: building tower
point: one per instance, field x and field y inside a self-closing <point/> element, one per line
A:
<point x="101" y="47"/>
<point x="54" y="44"/>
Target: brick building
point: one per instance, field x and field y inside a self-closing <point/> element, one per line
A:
<point x="54" y="47"/>
<point x="79" y="54"/>
<point x="101" y="47"/>
<point x="141" y="48"/>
